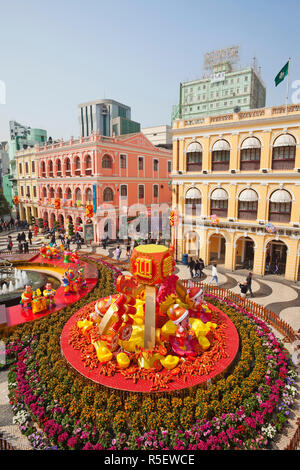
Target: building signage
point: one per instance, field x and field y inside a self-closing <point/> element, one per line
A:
<point x="89" y="232"/>
<point x="217" y="77"/>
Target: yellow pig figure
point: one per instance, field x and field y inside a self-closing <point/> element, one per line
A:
<point x="201" y="330"/>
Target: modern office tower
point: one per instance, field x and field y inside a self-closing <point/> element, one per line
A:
<point x="225" y="88"/>
<point x="106" y="117"/>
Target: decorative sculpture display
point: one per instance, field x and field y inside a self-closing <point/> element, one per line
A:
<point x="27" y="296"/>
<point x="49" y="294"/>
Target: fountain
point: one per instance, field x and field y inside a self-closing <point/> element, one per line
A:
<point x="13" y="280"/>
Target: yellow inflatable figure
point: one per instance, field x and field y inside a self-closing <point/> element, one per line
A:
<point x="201" y="330"/>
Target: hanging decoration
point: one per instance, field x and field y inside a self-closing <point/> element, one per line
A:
<point x="16" y="200"/>
<point x="214" y="219"/>
<point x="270" y="228"/>
<point x="89" y="210"/>
<point x="57" y="203"/>
<point x="174" y="218"/>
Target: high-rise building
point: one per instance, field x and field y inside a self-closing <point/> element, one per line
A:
<point x="106" y="117"/>
<point x="21" y="137"/>
<point x="224" y="89"/>
<point x="4" y="161"/>
<point x="160" y="136"/>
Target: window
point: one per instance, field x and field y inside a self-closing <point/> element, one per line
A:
<point x="141" y="191"/>
<point x="155" y="190"/>
<point x="26" y="167"/>
<point x="51" y="193"/>
<point x="284" y="152"/>
<point x="247" y="206"/>
<point x="51" y="169"/>
<point x="20" y="168"/>
<point x="28" y="191"/>
<point x="33" y="167"/>
<point x="219" y="208"/>
<point x="108" y="195"/>
<point x="88" y="165"/>
<point x="141" y="163"/>
<point x="68" y="194"/>
<point x="34" y="191"/>
<point x="58" y="168"/>
<point x="123" y="190"/>
<point x="77" y="167"/>
<point x="155" y="165"/>
<point x="194" y="157"/>
<point x="220" y="156"/>
<point x="22" y="191"/>
<point x="250" y="154"/>
<point x="44" y="192"/>
<point x="88" y="195"/>
<point x="68" y="167"/>
<point x="106" y="161"/>
<point x="123" y="161"/>
<point x="169" y="167"/>
<point x="280" y="206"/>
<point x="59" y="193"/>
<point x="78" y="195"/>
<point x="193" y="202"/>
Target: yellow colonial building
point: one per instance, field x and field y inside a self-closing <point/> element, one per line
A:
<point x="27" y="172"/>
<point x="236" y="186"/>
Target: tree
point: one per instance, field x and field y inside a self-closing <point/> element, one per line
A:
<point x="4" y="206"/>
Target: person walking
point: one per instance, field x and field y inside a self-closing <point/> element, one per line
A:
<point x="214" y="274"/>
<point x="249" y="282"/>
<point x="128" y="250"/>
<point x="30" y="237"/>
<point x="244" y="288"/>
<point x="197" y="268"/>
<point x="118" y="252"/>
<point x="20" y="247"/>
<point x="9" y="243"/>
<point x="26" y="246"/>
<point x="201" y="267"/>
<point x="191" y="266"/>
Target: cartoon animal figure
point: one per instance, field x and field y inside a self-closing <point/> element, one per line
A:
<point x="81" y="281"/>
<point x="74" y="258"/>
<point x="49" y="294"/>
<point x="27" y="297"/>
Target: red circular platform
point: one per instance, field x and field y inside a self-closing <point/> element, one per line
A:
<point x="119" y="382"/>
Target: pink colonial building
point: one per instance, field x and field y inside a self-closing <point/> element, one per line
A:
<point x="108" y="172"/>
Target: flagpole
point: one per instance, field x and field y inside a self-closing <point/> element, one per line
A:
<point x="287" y="87"/>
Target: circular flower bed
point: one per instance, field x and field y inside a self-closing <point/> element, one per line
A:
<point x="57" y="408"/>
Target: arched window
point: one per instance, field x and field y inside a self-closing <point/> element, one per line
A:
<point x="250" y="154"/>
<point x="89" y="195"/>
<point x="108" y="195"/>
<point x="193" y="202"/>
<point x="51" y="169"/>
<point x="68" y="194"/>
<point x="59" y="193"/>
<point x="43" y="169"/>
<point x="280" y="206"/>
<point x="247" y="208"/>
<point x="219" y="202"/>
<point x="78" y="195"/>
<point x="88" y="165"/>
<point x="124" y="191"/>
<point x="44" y="192"/>
<point x="51" y="193"/>
<point x="106" y="161"/>
<point x="58" y="166"/>
<point x="194" y="157"/>
<point x="68" y="167"/>
<point x="284" y="152"/>
<point x="77" y="166"/>
<point x="220" y="155"/>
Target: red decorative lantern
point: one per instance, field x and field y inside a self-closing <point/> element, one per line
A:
<point x="174" y="218"/>
<point x="16" y="200"/>
<point x="57" y="203"/>
<point x="89" y="210"/>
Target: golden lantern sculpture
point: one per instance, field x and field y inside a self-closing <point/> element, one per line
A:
<point x="89" y="210"/>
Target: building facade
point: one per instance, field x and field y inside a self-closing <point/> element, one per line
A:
<point x="27" y="184"/>
<point x="21" y="137"/>
<point x="112" y="174"/>
<point x="160" y="136"/>
<point x="223" y="91"/>
<point x="236" y="184"/>
<point x="106" y="117"/>
<point x="4" y="161"/>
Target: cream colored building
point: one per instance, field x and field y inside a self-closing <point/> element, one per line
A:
<point x="236" y="183"/>
<point x="27" y="171"/>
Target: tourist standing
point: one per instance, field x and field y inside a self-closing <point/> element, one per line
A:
<point x="214" y="273"/>
<point x="249" y="284"/>
<point x="201" y="267"/>
<point x="118" y="252"/>
<point x="9" y="243"/>
<point x="30" y="237"/>
<point x="191" y="265"/>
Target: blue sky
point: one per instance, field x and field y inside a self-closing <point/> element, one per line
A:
<point x="57" y="54"/>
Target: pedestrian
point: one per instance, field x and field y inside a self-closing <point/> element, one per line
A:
<point x="268" y="261"/>
<point x="214" y="274"/>
<point x="104" y="242"/>
<point x="20" y="247"/>
<point x="118" y="252"/>
<point x="9" y="243"/>
<point x="30" y="237"/>
<point x="23" y="237"/>
<point x="128" y="249"/>
<point x="248" y="282"/>
<point x="191" y="265"/>
<point x="197" y="268"/>
<point x="26" y="246"/>
<point x="201" y="267"/>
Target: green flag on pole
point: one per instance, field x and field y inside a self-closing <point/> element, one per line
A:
<point x="282" y="74"/>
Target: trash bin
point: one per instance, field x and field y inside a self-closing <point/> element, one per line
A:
<point x="185" y="259"/>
